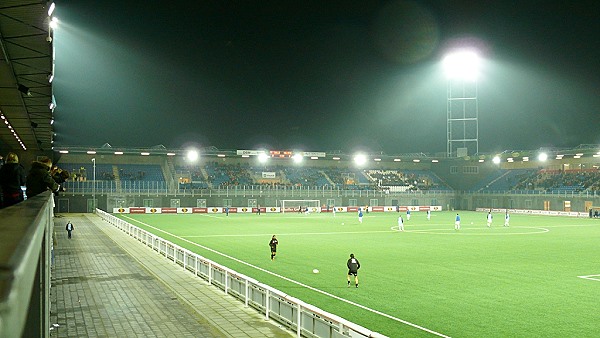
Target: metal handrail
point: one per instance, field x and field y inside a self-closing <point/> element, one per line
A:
<point x="25" y="251"/>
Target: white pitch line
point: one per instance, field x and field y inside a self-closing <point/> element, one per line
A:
<point x="570" y="225"/>
<point x="296" y="282"/>
<point x="482" y="231"/>
<point x="589" y="277"/>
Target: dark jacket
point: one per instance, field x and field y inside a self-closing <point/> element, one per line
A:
<point x="12" y="177"/>
<point x="39" y="180"/>
<point x="353" y="264"/>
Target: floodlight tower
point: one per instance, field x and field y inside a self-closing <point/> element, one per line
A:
<point x="462" y="108"/>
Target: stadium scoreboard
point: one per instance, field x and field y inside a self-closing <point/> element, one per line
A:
<point x="281" y="153"/>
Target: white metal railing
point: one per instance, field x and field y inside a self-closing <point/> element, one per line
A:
<point x="304" y="319"/>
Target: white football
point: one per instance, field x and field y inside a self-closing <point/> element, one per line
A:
<point x="315" y="270"/>
<point x="342" y="223"/>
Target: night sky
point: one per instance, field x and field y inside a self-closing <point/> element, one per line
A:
<point x="322" y="75"/>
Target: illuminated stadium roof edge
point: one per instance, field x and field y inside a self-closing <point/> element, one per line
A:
<point x="583" y="150"/>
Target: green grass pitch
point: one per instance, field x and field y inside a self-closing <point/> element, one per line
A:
<point x="523" y="280"/>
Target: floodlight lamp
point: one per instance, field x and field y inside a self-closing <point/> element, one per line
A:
<point x="496" y="159"/>
<point x="51" y="9"/>
<point x="192" y="155"/>
<point x="360" y="159"/>
<point x="297" y="158"/>
<point x="542" y="157"/>
<point x="462" y="65"/>
<point x="54" y="23"/>
<point x="262" y="157"/>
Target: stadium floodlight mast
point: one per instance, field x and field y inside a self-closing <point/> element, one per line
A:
<point x="462" y="109"/>
<point x="542" y="157"/>
<point x="462" y="64"/>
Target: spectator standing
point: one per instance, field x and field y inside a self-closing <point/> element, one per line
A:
<point x="12" y="178"/>
<point x="69" y="229"/>
<point x="39" y="178"/>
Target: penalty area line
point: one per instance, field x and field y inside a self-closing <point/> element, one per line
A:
<point x="296" y="282"/>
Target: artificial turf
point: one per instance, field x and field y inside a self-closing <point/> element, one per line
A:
<point x="501" y="281"/>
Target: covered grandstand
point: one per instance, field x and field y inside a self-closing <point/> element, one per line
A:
<point x="410" y="179"/>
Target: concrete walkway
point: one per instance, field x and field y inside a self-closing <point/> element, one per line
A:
<point x="106" y="284"/>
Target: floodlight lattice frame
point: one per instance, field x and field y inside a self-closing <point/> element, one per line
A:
<point x="462" y="110"/>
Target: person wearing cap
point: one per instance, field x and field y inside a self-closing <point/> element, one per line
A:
<point x="39" y="178"/>
<point x="12" y="178"/>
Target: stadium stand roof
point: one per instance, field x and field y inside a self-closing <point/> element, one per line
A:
<point x="25" y="70"/>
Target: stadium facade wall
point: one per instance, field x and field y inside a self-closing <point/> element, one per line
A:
<point x="463" y="175"/>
